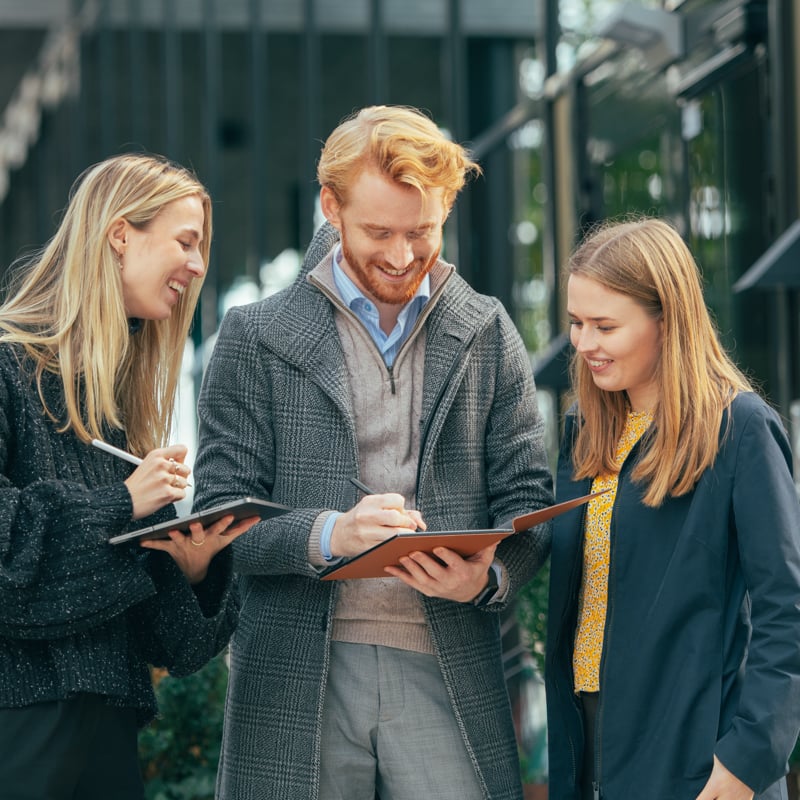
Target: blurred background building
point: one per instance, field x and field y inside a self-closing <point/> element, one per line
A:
<point x="577" y="109"/>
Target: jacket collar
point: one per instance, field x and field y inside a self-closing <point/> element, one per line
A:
<point x="301" y="330"/>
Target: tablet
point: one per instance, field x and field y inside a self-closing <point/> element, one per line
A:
<point x="243" y="508"/>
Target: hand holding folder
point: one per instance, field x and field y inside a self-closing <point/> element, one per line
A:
<point x="371" y="563"/>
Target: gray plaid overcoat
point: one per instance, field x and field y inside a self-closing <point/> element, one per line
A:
<point x="276" y="422"/>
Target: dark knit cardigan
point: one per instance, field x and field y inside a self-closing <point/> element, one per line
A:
<point x="77" y="614"/>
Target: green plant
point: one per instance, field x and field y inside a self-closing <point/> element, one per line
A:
<point x="178" y="753"/>
<point x="531" y="609"/>
<point x="532" y="614"/>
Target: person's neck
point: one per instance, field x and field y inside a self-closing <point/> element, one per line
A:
<point x="388" y="314"/>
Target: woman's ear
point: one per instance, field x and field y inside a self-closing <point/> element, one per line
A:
<point x="118" y="235"/>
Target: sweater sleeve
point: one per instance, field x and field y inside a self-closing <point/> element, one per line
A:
<point x="58" y="575"/>
<point x="181" y="627"/>
<point x="765" y="728"/>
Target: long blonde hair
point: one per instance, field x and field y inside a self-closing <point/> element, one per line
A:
<point x="401" y="143"/>
<point x="65" y="306"/>
<point x="647" y="260"/>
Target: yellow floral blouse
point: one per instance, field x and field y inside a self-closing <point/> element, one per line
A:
<point x="593" y="597"/>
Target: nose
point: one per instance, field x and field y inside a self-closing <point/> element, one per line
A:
<point x="195" y="265"/>
<point x="399" y="252"/>
<point x="583" y="339"/>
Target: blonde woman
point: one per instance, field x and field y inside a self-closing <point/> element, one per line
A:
<point x="91" y="337"/>
<point x="673" y="656"/>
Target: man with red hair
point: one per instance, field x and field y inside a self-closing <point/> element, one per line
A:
<point x="379" y="364"/>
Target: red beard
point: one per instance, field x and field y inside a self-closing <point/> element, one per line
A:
<point x="370" y="278"/>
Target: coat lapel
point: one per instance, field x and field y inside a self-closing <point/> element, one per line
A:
<point x="452" y="327"/>
<point x="303" y="333"/>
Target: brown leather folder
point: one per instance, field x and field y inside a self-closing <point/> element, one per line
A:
<point x="371" y="563"/>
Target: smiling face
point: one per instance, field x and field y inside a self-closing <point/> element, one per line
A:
<point x="160" y="261"/>
<point x="619" y="341"/>
<point x="391" y="237"/>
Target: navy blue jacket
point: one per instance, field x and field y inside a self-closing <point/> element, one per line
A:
<point x="702" y="641"/>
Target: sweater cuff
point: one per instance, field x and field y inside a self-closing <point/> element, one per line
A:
<point x="315" y="556"/>
<point x="113" y="509"/>
<point x="212" y="591"/>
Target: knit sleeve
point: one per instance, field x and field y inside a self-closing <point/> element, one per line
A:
<point x="58" y="575"/>
<point x="181" y="627"/>
<point x="53" y="585"/>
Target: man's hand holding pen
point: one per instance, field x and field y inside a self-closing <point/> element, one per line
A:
<point x="444" y="574"/>
<point x="372" y="520"/>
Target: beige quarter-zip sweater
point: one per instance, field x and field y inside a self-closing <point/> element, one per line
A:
<point x="387" y="408"/>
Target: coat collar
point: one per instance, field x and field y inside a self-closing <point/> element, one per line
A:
<point x="301" y="330"/>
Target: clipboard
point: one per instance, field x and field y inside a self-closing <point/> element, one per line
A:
<point x="243" y="508"/>
<point x="370" y="563"/>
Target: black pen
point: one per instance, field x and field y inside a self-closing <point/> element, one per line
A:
<point x="362" y="487"/>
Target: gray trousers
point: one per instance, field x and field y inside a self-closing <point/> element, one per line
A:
<point x="388" y="729"/>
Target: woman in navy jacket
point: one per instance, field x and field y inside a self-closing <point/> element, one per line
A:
<point x="673" y="653"/>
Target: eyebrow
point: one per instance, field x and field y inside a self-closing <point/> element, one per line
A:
<point x="193" y="232"/>
<point x="372" y="227"/>
<point x="592" y="319"/>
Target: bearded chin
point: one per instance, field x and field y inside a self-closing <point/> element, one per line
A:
<point x="369" y="281"/>
<point x="421" y="269"/>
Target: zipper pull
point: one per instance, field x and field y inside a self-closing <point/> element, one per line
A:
<point x="391" y="379"/>
<point x="595" y="790"/>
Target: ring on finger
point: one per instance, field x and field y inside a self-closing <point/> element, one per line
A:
<point x="175" y="482"/>
<point x="198" y="544"/>
<point x="173" y="465"/>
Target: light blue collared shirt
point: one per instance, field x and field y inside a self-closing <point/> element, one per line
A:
<point x="388" y="345"/>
